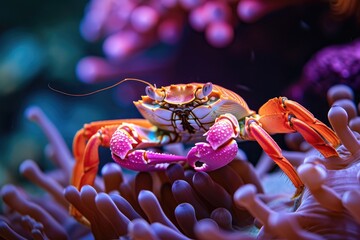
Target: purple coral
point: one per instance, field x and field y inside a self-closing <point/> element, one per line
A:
<point x="331" y="65"/>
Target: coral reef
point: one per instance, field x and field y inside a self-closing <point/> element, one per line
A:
<point x="229" y="203"/>
<point x="339" y="64"/>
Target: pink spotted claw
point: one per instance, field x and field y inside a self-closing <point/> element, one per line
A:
<point x="141" y="160"/>
<point x="203" y="157"/>
<point x="122" y="146"/>
<point x="220" y="149"/>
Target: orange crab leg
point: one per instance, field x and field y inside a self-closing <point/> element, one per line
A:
<point x="314" y="131"/>
<point x="280" y="115"/>
<point x="314" y="138"/>
<point x="256" y="132"/>
<point x="86" y="165"/>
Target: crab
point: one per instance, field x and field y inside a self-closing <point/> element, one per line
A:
<point x="212" y="117"/>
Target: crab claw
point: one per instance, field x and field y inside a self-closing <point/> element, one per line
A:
<point x="220" y="149"/>
<point x="141" y="160"/>
<point x="203" y="157"/>
<point x="123" y="146"/>
<point x="226" y="127"/>
<point x="135" y="160"/>
<point x="121" y="143"/>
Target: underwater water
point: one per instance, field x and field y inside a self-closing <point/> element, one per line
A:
<point x="256" y="49"/>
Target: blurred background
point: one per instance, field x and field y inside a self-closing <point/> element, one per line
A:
<point x="258" y="48"/>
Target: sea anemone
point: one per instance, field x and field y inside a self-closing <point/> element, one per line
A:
<point x="233" y="202"/>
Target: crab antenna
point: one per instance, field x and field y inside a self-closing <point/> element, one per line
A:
<point x="101" y="89"/>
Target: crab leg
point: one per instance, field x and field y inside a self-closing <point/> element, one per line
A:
<point x="280" y="115"/>
<point x="314" y="131"/>
<point x="86" y="155"/>
<point x="314" y="138"/>
<point x="256" y="132"/>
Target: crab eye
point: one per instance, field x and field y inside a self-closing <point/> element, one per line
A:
<point x="205" y="91"/>
<point x="153" y="94"/>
